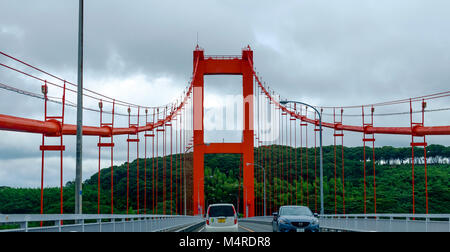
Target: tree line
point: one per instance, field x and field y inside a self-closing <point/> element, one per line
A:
<point x="291" y="178"/>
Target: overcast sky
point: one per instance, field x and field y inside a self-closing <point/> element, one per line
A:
<point x="327" y="53"/>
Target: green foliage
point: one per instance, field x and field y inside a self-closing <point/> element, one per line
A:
<point x="291" y="178"/>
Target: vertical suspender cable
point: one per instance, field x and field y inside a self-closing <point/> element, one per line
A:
<point x="364" y="158"/>
<point x="283" y="152"/>
<point x="164" y="162"/>
<point x="286" y="165"/>
<point x="263" y="109"/>
<point x="61" y="150"/>
<point x="261" y="117"/>
<point x="157" y="164"/>
<point x="137" y="161"/>
<point x="373" y="163"/>
<point x="258" y="137"/>
<point x="128" y="161"/>
<point x="44" y="90"/>
<point x="315" y="162"/>
<point x="413" y="145"/>
<point x="171" y="168"/>
<point x="274" y="164"/>
<point x="424" y="105"/>
<point x="301" y="155"/>
<point x="154" y="133"/>
<point x="239" y="187"/>
<point x="180" y="173"/>
<point x="180" y="158"/>
<point x="281" y="156"/>
<point x="290" y="160"/>
<point x="412" y="156"/>
<point x="112" y="157"/>
<point x="100" y="105"/>
<point x="372" y="139"/>
<point x="293" y="172"/>
<point x="282" y="164"/>
<point x="267" y="155"/>
<point x="307" y="162"/>
<point x="273" y="170"/>
<point x="343" y="167"/>
<point x="176" y="119"/>
<point x="183" y="159"/>
<point x="61" y="147"/>
<point x="295" y="154"/>
<point x="263" y="147"/>
<point x="145" y="163"/>
<point x="335" y="163"/>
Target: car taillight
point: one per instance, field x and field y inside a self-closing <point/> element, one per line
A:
<point x="207" y="221"/>
<point x="235" y="216"/>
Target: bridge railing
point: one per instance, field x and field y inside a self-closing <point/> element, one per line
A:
<point x="223" y="57"/>
<point x="377" y="222"/>
<point x="94" y="223"/>
<point x="387" y="222"/>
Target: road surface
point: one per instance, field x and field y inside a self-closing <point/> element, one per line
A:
<point x="247" y="227"/>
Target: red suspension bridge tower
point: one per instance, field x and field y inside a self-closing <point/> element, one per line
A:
<point x="223" y="65"/>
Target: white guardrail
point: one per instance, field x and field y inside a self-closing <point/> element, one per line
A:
<point x="378" y="222"/>
<point x="94" y="223"/>
<point x="387" y="222"/>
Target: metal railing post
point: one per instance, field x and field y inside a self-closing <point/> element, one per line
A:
<point x="376" y="223"/>
<point x="390" y="223"/>
<point x="58" y="223"/>
<point x="24" y="226"/>
<point x="407" y="221"/>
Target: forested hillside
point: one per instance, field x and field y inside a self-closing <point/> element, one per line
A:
<point x="393" y="182"/>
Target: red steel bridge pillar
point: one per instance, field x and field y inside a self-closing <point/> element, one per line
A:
<point x="223" y="65"/>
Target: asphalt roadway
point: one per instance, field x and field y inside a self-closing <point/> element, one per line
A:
<point x="245" y="226"/>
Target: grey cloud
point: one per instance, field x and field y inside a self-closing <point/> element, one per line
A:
<point x="324" y="52"/>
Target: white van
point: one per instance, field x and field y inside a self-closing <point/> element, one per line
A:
<point x="221" y="218"/>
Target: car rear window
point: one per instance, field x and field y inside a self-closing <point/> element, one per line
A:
<point x="221" y="211"/>
<point x="295" y="211"/>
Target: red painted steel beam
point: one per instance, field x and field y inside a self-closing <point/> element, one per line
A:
<point x="223" y="67"/>
<point x="216" y="148"/>
<point x="52" y="128"/>
<point x="11" y="123"/>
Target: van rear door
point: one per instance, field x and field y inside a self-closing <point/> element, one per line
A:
<point x="221" y="215"/>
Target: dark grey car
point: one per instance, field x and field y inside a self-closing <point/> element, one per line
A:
<point x="295" y="219"/>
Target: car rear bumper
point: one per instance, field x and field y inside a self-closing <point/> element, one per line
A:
<point x="233" y="228"/>
<point x="291" y="228"/>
